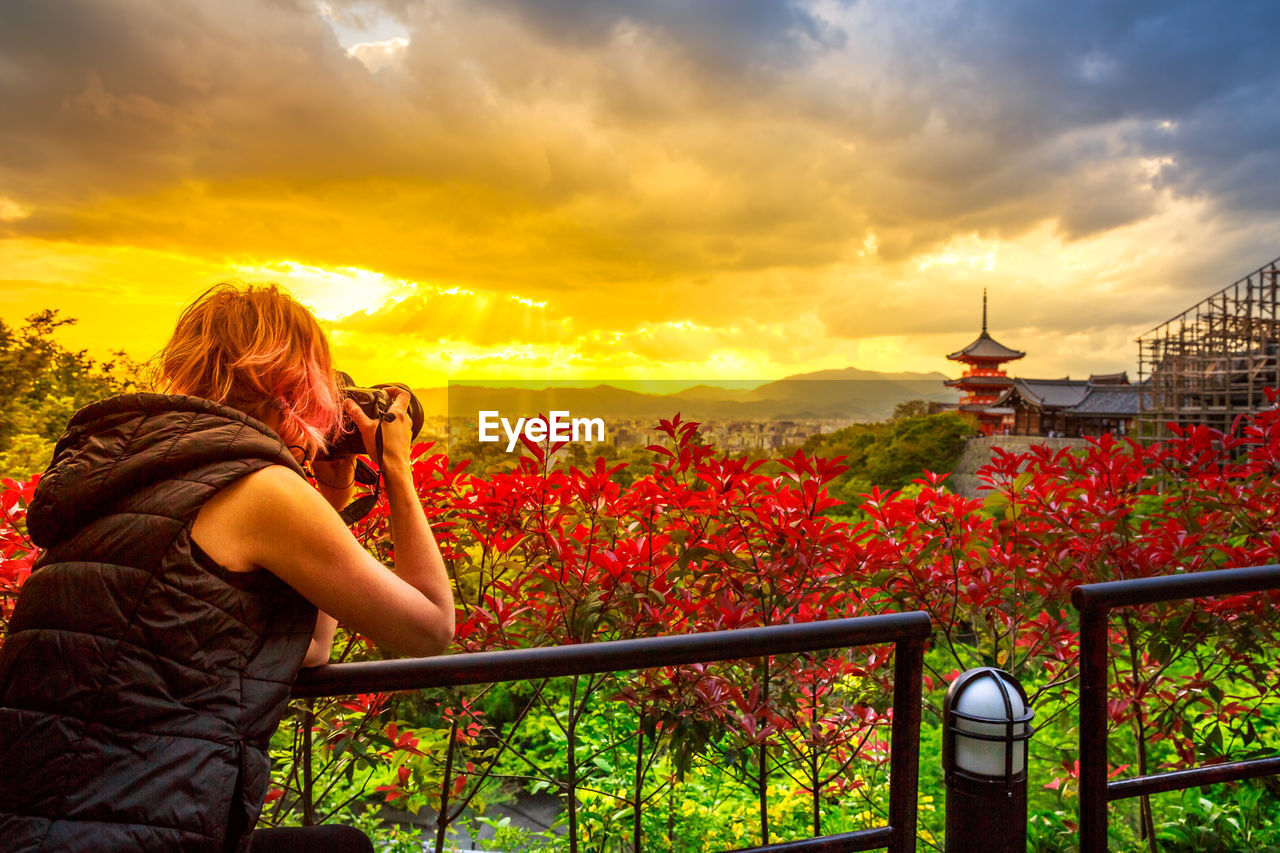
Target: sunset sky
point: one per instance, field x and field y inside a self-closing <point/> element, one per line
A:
<point x="720" y="189"/>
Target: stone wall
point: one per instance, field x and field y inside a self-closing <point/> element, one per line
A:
<point x="977" y="452"/>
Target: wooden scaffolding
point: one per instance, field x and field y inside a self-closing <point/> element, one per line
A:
<point x="1213" y="361"/>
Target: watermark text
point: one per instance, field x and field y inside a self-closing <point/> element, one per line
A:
<point x="558" y="427"/>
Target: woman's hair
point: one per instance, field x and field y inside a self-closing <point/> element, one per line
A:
<point x="254" y="347"/>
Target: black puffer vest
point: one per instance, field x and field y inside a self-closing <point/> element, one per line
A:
<point x="140" y="682"/>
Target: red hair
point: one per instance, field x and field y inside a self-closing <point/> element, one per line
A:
<point x="256" y="349"/>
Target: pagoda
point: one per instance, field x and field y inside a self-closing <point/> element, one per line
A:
<point x="983" y="380"/>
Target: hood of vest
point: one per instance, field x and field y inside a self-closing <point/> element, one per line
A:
<point x="114" y="447"/>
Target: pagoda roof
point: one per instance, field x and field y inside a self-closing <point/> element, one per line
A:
<point x="986" y="347"/>
<point x="985" y="409"/>
<point x="990" y="381"/>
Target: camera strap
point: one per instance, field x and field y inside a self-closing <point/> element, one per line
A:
<point x="366" y="476"/>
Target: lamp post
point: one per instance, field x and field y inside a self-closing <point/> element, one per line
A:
<point x="986" y="723"/>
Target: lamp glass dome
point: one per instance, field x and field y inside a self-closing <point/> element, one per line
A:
<point x="988" y="697"/>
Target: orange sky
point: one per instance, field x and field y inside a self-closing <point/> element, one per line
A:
<point x="639" y="190"/>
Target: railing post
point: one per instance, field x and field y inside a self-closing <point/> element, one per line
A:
<point x="1093" y="725"/>
<point x="904" y="743"/>
<point x="308" y="794"/>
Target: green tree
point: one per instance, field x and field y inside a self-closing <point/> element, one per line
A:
<point x="911" y="409"/>
<point x="42" y="384"/>
<point x="890" y="454"/>
<point x="916" y="444"/>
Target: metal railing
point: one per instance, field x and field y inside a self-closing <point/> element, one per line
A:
<point x="1094" y="603"/>
<point x="906" y="631"/>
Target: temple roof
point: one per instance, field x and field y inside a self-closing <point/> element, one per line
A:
<point x="1046" y="393"/>
<point x="1114" y="400"/>
<point x="1080" y="397"/>
<point x="986" y="347"/>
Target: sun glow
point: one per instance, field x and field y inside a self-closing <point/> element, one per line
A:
<point x="973" y="251"/>
<point x="331" y="293"/>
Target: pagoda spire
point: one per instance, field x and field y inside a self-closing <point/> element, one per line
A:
<point x="984" y="310"/>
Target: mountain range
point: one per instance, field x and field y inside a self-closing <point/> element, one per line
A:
<point x="846" y="394"/>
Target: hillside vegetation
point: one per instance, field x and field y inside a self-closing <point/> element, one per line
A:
<point x="890" y="454"/>
<point x="42" y="383"/>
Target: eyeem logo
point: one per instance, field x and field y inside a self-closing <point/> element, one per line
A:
<point x="559" y="428"/>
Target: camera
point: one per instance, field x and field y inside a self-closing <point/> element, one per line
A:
<point x="375" y="403"/>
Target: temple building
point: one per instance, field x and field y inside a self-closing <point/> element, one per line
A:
<point x="984" y="380"/>
<point x="1072" y="408"/>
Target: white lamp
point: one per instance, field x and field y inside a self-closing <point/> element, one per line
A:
<point x="986" y="721"/>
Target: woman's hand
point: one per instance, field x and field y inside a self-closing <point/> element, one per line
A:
<point x="335" y="478"/>
<point x="396" y="434"/>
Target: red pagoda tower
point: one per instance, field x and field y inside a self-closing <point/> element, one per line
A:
<point x="983" y="380"/>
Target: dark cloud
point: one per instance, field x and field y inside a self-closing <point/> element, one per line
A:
<point x="1027" y="94"/>
<point x="1031" y="69"/>
<point x="129" y="96"/>
<point x="676" y="137"/>
<point x="726" y="35"/>
<point x="1228" y="151"/>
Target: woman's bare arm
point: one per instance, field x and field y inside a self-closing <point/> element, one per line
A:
<point x="321" y="648"/>
<point x="287" y="528"/>
<point x="335" y="481"/>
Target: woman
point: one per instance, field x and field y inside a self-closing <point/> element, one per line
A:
<point x="189" y="570"/>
